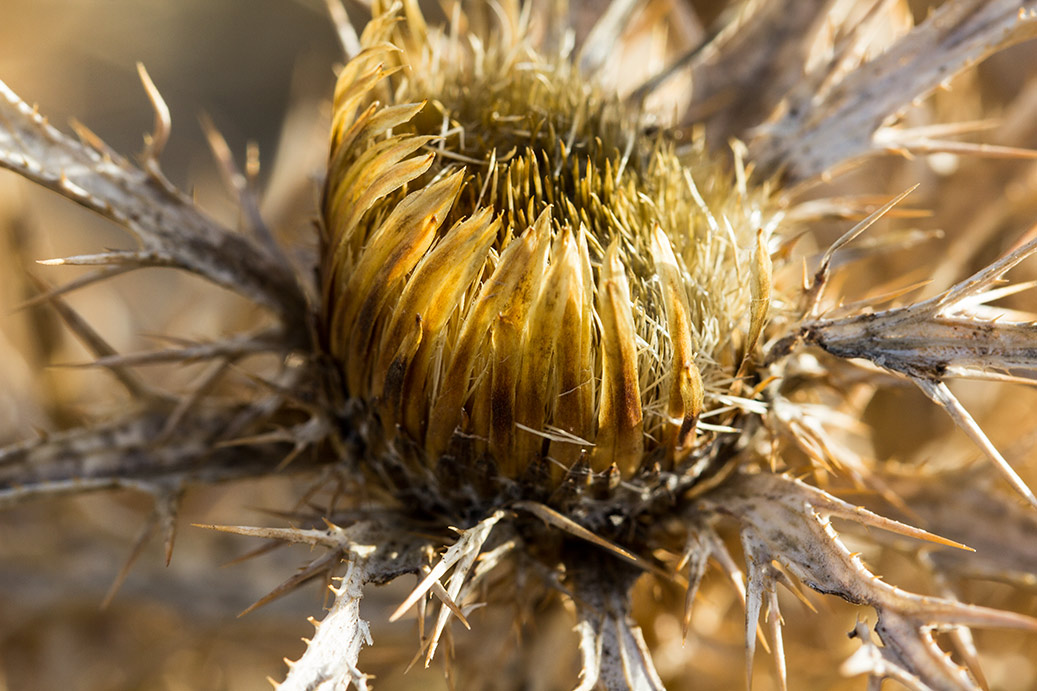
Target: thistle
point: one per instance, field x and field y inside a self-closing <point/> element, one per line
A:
<point x="558" y="348"/>
<point x="543" y="289"/>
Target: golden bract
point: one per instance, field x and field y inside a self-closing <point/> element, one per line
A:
<point x="514" y="269"/>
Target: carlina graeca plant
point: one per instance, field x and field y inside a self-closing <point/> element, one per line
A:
<point x="556" y="345"/>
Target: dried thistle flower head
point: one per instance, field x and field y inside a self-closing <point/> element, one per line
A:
<point x="559" y="347"/>
<point x="516" y="273"/>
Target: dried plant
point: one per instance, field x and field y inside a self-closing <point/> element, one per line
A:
<point x="557" y="344"/>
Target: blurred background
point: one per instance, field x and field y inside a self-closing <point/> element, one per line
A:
<point x="263" y="70"/>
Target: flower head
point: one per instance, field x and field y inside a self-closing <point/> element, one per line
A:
<point x="518" y="271"/>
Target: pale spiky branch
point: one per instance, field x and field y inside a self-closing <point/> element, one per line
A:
<point x="878" y="663"/>
<point x="375" y="553"/>
<point x="463" y="581"/>
<point x="372" y="554"/>
<point x="164" y="221"/>
<point x="704" y="544"/>
<point x="330" y="660"/>
<point x="762" y="580"/>
<point x="613" y="650"/>
<point x="229" y="348"/>
<point x="937" y="337"/>
<point x="790" y="523"/>
<point x="125" y="455"/>
<point x="831" y="118"/>
<point x="943" y="337"/>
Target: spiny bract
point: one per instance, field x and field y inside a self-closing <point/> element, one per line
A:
<point x="559" y="346"/>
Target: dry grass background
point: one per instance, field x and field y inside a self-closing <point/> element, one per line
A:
<point x="263" y="70"/>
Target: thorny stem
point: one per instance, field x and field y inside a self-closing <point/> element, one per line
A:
<point x="163" y="220"/>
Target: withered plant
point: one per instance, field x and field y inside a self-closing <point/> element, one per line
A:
<point x="572" y="333"/>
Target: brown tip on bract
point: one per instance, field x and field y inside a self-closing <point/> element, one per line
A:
<point x="760" y="288"/>
<point x="620" y="437"/>
<point x="686" y="390"/>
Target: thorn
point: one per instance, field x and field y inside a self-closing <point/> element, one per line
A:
<point x="90" y="139"/>
<point x="557" y="520"/>
<point x="138" y="545"/>
<point x="189" y="402"/>
<point x="942" y="396"/>
<point x="232" y="177"/>
<point x="163" y="122"/>
<point x="166" y="505"/>
<point x="813" y="294"/>
<point x="95" y="344"/>
<point x="82" y="281"/>
<point x="440" y="592"/>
